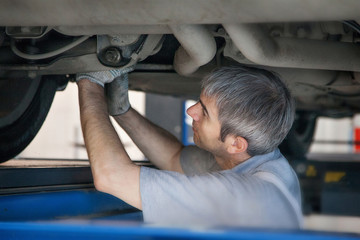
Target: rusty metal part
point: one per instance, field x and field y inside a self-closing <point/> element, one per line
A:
<point x="257" y="46"/>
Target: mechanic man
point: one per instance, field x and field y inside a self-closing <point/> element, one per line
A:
<point x="235" y="176"/>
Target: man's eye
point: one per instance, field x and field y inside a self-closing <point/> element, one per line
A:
<point x="202" y="108"/>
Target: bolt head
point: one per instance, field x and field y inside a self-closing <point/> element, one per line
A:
<point x="112" y="55"/>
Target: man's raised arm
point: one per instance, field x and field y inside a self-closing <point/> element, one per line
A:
<point x="158" y="145"/>
<point x="112" y="169"/>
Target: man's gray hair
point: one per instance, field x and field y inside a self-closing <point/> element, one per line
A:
<point x="253" y="103"/>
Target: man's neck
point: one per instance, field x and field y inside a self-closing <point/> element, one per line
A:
<point x="230" y="162"/>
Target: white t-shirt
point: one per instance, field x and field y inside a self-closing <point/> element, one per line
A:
<point x="209" y="196"/>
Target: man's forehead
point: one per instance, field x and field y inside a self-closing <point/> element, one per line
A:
<point x="207" y="98"/>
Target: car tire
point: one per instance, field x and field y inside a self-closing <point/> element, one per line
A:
<point x="298" y="141"/>
<point x="15" y="137"/>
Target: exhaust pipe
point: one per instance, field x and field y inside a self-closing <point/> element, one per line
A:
<point x="198" y="47"/>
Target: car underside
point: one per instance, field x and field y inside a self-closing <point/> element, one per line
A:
<point x="312" y="45"/>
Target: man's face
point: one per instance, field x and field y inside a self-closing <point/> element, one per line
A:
<point x="206" y="125"/>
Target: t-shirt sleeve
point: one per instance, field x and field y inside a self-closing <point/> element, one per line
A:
<point x="195" y="161"/>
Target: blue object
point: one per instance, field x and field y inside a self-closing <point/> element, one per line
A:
<point x="187" y="132"/>
<point x="60" y="205"/>
<point x="88" y="214"/>
<point x="124" y="230"/>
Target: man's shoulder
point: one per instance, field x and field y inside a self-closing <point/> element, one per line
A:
<point x="281" y="168"/>
<point x="195" y="160"/>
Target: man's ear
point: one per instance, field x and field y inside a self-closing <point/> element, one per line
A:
<point x="236" y="145"/>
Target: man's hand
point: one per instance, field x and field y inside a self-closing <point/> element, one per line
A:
<point x="117" y="95"/>
<point x="103" y="77"/>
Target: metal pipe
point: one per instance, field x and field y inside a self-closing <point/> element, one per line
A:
<point x="198" y="47"/>
<point x="256" y="45"/>
<point x="48" y="54"/>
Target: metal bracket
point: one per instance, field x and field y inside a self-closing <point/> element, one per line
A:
<point x="116" y="50"/>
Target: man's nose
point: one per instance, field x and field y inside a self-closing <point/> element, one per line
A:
<point x="191" y="111"/>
